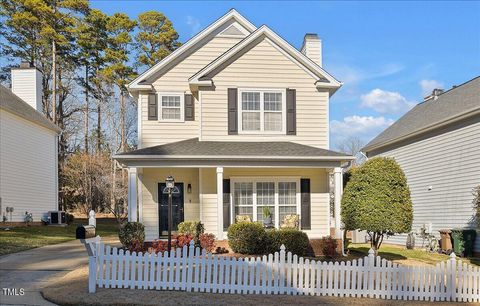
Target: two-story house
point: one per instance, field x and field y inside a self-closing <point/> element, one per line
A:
<point x="240" y="119"/>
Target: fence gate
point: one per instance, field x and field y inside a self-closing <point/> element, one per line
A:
<point x="190" y="269"/>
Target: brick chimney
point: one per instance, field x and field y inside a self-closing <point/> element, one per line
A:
<point x="27" y="84"/>
<point x="312" y="48"/>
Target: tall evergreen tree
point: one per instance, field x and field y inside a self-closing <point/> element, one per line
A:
<point x="119" y="70"/>
<point x="155" y="39"/>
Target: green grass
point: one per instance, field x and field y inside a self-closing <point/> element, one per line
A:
<point x="19" y="239"/>
<point x="402" y="255"/>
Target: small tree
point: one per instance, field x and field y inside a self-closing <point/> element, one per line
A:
<point x="377" y="199"/>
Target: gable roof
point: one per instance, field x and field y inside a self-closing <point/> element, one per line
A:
<point x="453" y="105"/>
<point x="139" y="82"/>
<point x="324" y="79"/>
<point x="193" y="148"/>
<point x="11" y="103"/>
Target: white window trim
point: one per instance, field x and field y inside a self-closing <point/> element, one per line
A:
<point x="254" y="180"/>
<point x="283" y="91"/>
<point x="182" y="106"/>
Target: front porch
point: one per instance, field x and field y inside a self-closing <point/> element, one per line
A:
<point x="220" y="181"/>
<point x="218" y="195"/>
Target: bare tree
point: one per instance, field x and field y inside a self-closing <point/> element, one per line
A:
<point x="352" y="145"/>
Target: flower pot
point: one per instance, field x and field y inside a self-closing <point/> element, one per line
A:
<point x="267" y="221"/>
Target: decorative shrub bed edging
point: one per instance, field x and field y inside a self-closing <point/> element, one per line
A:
<point x="190" y="269"/>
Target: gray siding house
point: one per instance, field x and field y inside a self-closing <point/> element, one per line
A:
<point x="437" y="144"/>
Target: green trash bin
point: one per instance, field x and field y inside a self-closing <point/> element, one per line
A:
<point x="463" y="240"/>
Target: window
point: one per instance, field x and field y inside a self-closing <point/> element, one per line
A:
<point x="252" y="195"/>
<point x="171" y="107"/>
<point x="262" y="111"/>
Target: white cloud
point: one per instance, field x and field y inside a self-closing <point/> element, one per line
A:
<point x="194" y="24"/>
<point x="363" y="127"/>
<point x="386" y="102"/>
<point x="429" y="85"/>
<point x="351" y="75"/>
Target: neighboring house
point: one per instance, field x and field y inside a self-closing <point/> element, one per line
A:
<point x="28" y="149"/>
<point x="240" y="119"/>
<point x="437" y="144"/>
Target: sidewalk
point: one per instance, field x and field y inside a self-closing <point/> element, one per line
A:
<point x="34" y="269"/>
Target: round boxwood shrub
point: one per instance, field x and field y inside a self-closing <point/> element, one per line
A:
<point x="294" y="240"/>
<point x="132" y="235"/>
<point x="247" y="238"/>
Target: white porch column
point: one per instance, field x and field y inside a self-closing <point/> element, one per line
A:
<point x="132" y="195"/>
<point x="220" y="202"/>
<point x="338" y="190"/>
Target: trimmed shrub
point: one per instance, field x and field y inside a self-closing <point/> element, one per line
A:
<point x="377" y="199"/>
<point x="132" y="235"/>
<point x="69" y="218"/>
<point x="194" y="228"/>
<point x="247" y="238"/>
<point x="294" y="240"/>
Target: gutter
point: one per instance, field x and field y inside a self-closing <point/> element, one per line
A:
<point x="233" y="157"/>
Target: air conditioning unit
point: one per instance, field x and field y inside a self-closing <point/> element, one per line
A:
<point x="56" y="217"/>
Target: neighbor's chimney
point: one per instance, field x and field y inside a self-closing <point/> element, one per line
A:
<point x="312" y="48"/>
<point x="27" y="84"/>
<point x="435" y="93"/>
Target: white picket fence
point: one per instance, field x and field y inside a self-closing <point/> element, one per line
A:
<point x="190" y="269"/>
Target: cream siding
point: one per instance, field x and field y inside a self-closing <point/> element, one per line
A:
<point x="149" y="202"/>
<point x="449" y="163"/>
<point x="176" y="80"/>
<point x="28" y="171"/>
<point x="264" y="67"/>
<point x="319" y="194"/>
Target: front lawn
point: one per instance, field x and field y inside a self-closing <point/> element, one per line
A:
<point x="402" y="255"/>
<point x="19" y="239"/>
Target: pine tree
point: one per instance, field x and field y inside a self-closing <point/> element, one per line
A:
<point x="155" y="39"/>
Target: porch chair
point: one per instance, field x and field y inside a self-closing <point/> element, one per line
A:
<point x="290" y="221"/>
<point x="243" y="218"/>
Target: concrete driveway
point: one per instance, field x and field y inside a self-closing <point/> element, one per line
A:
<point x="34" y="269"/>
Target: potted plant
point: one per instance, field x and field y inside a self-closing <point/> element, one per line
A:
<point x="267" y="217"/>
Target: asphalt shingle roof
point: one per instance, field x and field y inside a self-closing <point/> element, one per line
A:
<point x="193" y="147"/>
<point x="457" y="101"/>
<point x="13" y="104"/>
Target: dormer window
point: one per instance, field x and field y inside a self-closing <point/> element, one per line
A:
<point x="171" y="106"/>
<point x="261" y="111"/>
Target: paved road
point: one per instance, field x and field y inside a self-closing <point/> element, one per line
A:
<point x="33" y="269"/>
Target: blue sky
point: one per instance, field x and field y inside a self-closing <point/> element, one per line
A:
<point x="388" y="54"/>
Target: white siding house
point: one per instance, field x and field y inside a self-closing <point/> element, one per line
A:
<point x="28" y="151"/>
<point x="437" y="144"/>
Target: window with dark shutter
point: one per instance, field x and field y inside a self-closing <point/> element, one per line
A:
<point x="189" y="108"/>
<point x="226" y="204"/>
<point x="305" y="205"/>
<point x="291" y="111"/>
<point x="152" y="106"/>
<point x="232" y="111"/>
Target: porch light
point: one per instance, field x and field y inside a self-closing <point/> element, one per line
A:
<point x="170" y="182"/>
<point x="189" y="188"/>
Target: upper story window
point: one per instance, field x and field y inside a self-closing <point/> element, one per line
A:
<point x="171" y="106"/>
<point x="261" y="111"/>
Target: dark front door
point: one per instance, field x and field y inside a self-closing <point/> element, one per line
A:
<point x="177" y="208"/>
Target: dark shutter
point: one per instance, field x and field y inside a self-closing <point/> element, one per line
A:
<point x="226" y="204"/>
<point x="152" y="106"/>
<point x="291" y="111"/>
<point x="305" y="209"/>
<point x="189" y="108"/>
<point x="232" y="111"/>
